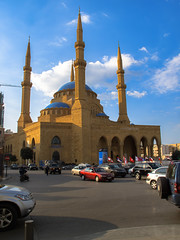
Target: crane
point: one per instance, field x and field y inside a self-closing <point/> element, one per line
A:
<point x="8" y="85"/>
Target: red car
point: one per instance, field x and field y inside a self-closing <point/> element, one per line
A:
<point x="96" y="173"/>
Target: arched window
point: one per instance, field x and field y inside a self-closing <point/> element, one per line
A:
<point x="56" y="142"/>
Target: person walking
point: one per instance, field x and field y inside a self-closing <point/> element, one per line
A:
<point x="47" y="170"/>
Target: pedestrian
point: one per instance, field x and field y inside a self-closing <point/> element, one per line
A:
<point x="47" y="170"/>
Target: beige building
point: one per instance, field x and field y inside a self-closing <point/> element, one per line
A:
<point x="167" y="150"/>
<point x="74" y="127"/>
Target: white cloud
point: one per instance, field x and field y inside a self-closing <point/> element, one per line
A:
<point x="98" y="74"/>
<point x="166" y="35"/>
<point x="154" y="56"/>
<point x="64" y="5"/>
<point x="50" y="81"/>
<point x="58" y="41"/>
<point x="143" y="49"/>
<point x="167" y="78"/>
<point x="136" y="94"/>
<point x="85" y="18"/>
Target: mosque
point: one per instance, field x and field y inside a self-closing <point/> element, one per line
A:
<point x="73" y="128"/>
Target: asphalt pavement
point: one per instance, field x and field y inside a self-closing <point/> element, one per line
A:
<point x="71" y="209"/>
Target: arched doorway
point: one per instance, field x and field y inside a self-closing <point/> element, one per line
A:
<point x="143" y="147"/>
<point x="115" y="148"/>
<point x="130" y="149"/>
<point x="155" y="151"/>
<point x="56" y="156"/>
<point x="103" y="150"/>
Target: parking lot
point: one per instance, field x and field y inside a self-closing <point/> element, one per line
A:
<point x="69" y="208"/>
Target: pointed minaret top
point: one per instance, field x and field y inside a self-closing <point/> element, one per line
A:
<point x="79" y="28"/>
<point x="28" y="55"/>
<point x="72" y="72"/>
<point x="119" y="59"/>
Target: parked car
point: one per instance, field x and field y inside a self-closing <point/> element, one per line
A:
<point x="15" y="202"/>
<point x="77" y="169"/>
<point x="169" y="186"/>
<point x="68" y="167"/>
<point x="32" y="166"/>
<point x="142" y="169"/>
<point x="14" y="166"/>
<point x="154" y="175"/>
<point x="96" y="173"/>
<point x="113" y="168"/>
<point x="54" y="168"/>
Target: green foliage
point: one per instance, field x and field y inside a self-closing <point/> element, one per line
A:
<point x="176" y="155"/>
<point x="26" y="153"/>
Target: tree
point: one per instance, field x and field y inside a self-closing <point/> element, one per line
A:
<point x="13" y="158"/>
<point x="176" y="155"/>
<point x="26" y="153"/>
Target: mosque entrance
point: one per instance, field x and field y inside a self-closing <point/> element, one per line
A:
<point x="143" y="147"/>
<point x="103" y="150"/>
<point x="115" y="148"/>
<point x="129" y="147"/>
<point x="56" y="156"/>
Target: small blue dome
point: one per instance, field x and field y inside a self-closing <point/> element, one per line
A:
<point x="57" y="105"/>
<point x="71" y="85"/>
<point x="101" y="115"/>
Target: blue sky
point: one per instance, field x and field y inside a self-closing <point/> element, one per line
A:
<point x="149" y="36"/>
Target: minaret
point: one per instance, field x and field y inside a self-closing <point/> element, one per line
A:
<point x="26" y="91"/>
<point x="79" y="63"/>
<point x="80" y="111"/>
<point x="121" y="87"/>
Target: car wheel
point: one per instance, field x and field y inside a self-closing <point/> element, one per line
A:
<point x="137" y="176"/>
<point x="8" y="217"/>
<point x="97" y="179"/>
<point x="153" y="184"/>
<point x="163" y="187"/>
<point x="82" y="177"/>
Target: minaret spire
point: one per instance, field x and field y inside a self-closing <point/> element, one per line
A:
<point x="121" y="87"/>
<point x="79" y="63"/>
<point x="26" y="91"/>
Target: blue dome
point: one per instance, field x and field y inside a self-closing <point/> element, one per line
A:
<point x="101" y="115"/>
<point x="57" y="105"/>
<point x="71" y="85"/>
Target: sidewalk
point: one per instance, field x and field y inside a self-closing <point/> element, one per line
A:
<point x="157" y="232"/>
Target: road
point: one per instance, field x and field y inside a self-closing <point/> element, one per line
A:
<point x="69" y="208"/>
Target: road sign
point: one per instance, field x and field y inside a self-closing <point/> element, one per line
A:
<point x="7" y="158"/>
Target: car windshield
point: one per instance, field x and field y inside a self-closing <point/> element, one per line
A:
<point x="54" y="165"/>
<point x="99" y="170"/>
<point x="115" y="166"/>
<point x="153" y="165"/>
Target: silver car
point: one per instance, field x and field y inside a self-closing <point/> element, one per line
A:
<point x="153" y="177"/>
<point x="15" y="202"/>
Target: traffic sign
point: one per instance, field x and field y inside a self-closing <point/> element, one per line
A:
<point x="7" y="158"/>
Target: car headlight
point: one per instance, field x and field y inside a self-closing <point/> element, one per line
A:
<point x="24" y="197"/>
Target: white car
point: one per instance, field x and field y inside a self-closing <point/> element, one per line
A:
<point x="77" y="169"/>
<point x="153" y="176"/>
<point x="15" y="202"/>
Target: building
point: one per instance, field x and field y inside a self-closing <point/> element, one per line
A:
<point x="168" y="149"/>
<point x="74" y="127"/>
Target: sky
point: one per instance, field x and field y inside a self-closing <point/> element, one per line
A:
<point x="148" y="32"/>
